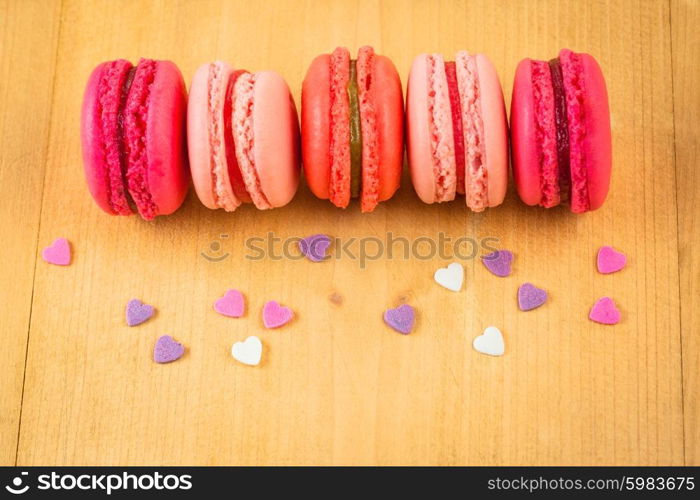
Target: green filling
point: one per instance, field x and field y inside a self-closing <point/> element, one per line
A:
<point x="355" y="133"/>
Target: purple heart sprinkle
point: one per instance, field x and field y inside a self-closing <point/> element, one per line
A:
<point x="167" y="350"/>
<point x="314" y="247"/>
<point x="137" y="312"/>
<point x="530" y="297"/>
<point x="400" y="319"/>
<point x="498" y="262"/>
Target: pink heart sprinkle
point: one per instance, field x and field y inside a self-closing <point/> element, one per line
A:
<point x="610" y="260"/>
<point x="167" y="350"/>
<point x="232" y="304"/>
<point x="275" y="315"/>
<point x="58" y="253"/>
<point x="604" y="311"/>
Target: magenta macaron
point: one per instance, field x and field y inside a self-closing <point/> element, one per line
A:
<point x="560" y="132"/>
<point x="243" y="138"/>
<point x="457" y="133"/>
<point x="133" y="137"/>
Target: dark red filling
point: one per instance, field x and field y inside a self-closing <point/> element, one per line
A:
<point x="123" y="153"/>
<point x="562" y="128"/>
<point x="234" y="172"/>
<point x="456" y="108"/>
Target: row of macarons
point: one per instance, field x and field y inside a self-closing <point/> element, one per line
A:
<point x="237" y="134"/>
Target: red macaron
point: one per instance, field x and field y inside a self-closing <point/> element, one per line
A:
<point x="133" y="137"/>
<point x="560" y="132"/>
<point x="352" y="128"/>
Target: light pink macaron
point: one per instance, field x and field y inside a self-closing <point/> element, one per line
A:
<point x="457" y="134"/>
<point x="243" y="138"/>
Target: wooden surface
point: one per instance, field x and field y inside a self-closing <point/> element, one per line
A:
<point x="336" y="386"/>
<point x="685" y="17"/>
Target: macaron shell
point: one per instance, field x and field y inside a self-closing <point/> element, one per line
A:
<point x="523" y="131"/>
<point x="92" y="140"/>
<point x="493" y="114"/>
<point x="420" y="158"/>
<point x="340" y="157"/>
<point x="315" y="113"/>
<point x="276" y="133"/>
<point x="390" y="116"/>
<point x="598" y="142"/>
<point x="198" y="137"/>
<point x="168" y="170"/>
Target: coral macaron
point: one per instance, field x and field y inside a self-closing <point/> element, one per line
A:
<point x="352" y="128"/>
<point x="243" y="138"/>
<point x="133" y="137"/>
<point x="457" y="134"/>
<point x="560" y="132"/>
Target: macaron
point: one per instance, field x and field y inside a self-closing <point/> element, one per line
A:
<point x="352" y="128"/>
<point x="457" y="133"/>
<point x="133" y="137"/>
<point x="243" y="138"/>
<point x="560" y="132"/>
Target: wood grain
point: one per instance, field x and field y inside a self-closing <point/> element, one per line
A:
<point x="685" y="17"/>
<point x="28" y="30"/>
<point x="336" y="386"/>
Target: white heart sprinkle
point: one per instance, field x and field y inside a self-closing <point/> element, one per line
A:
<point x="490" y="342"/>
<point x="451" y="277"/>
<point x="248" y="352"/>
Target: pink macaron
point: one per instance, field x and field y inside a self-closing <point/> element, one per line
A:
<point x="560" y="132"/>
<point x="457" y="134"/>
<point x="243" y="138"/>
<point x="133" y="137"/>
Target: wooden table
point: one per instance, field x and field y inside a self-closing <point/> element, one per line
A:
<point x="336" y="386"/>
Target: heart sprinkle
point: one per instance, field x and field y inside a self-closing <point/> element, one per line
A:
<point x="498" y="262"/>
<point x="137" y="312"/>
<point x="315" y="247"/>
<point x="232" y="304"/>
<point x="605" y="312"/>
<point x="490" y="342"/>
<point x="58" y="253"/>
<point x="530" y="297"/>
<point x="167" y="350"/>
<point x="450" y="277"/>
<point x="400" y="319"/>
<point x="248" y="352"/>
<point x="275" y="315"/>
<point x="610" y="260"/>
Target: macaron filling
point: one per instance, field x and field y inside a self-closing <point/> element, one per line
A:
<point x="339" y="149"/>
<point x="234" y="172"/>
<point x="440" y="119"/>
<point x="562" y="129"/>
<point x="368" y="119"/>
<point x="355" y="133"/>
<point x="476" y="175"/>
<point x="458" y="133"/>
<point x="574" y="87"/>
<point x="546" y="126"/>
<point x="243" y="107"/>
<point x="114" y="85"/>
<point x="135" y="119"/>
<point x="216" y="97"/>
